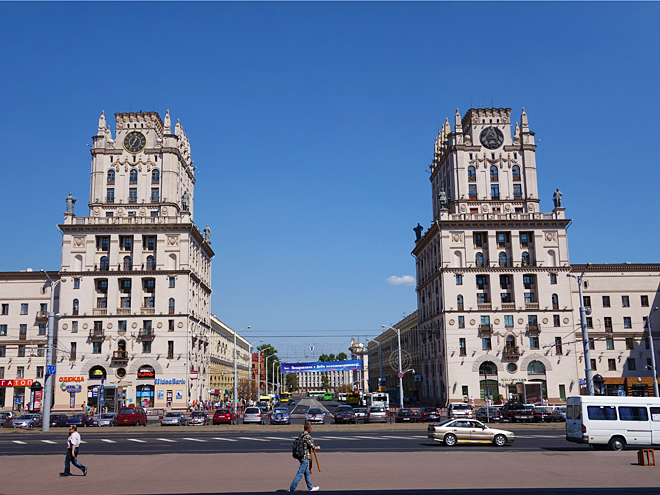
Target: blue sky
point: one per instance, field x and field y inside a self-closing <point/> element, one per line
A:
<point x="312" y="125"/>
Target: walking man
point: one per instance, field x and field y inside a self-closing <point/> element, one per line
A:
<point x="308" y="443"/>
<point x="72" y="444"/>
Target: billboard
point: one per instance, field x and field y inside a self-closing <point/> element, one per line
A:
<point x="321" y="366"/>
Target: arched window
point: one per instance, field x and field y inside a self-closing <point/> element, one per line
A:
<point x="111" y="177"/>
<point x="525" y="258"/>
<point x="479" y="259"/>
<point x="536" y="368"/>
<point x="133" y="176"/>
<point x="128" y="263"/>
<point x="151" y="262"/>
<point x="121" y="345"/>
<point x="155" y="176"/>
<point x="493" y="174"/>
<point x="76" y="306"/>
<point x="555" y="301"/>
<point x="105" y="263"/>
<point x="510" y="342"/>
<point x="515" y="172"/>
<point x="472" y="174"/>
<point x="488" y="368"/>
<point x="459" y="301"/>
<point x="502" y="258"/>
<point x="170" y="307"/>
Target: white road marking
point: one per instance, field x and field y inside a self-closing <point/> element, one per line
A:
<point x="277" y="438"/>
<point x="166" y="440"/>
<point x="369" y="438"/>
<point x="107" y="440"/>
<point x="257" y="439"/>
<point x="396" y="438"/>
<point x="136" y="440"/>
<point x="195" y="439"/>
<point x="225" y="439"/>
<point x="82" y="441"/>
<point x="48" y="441"/>
<point x="419" y="436"/>
<point x="19" y="442"/>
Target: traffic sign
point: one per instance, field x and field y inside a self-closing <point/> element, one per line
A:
<point x="51" y="369"/>
<point x="400" y="375"/>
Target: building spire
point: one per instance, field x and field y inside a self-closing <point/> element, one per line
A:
<point x="458" y="126"/>
<point x="101" y="130"/>
<point x="168" y="123"/>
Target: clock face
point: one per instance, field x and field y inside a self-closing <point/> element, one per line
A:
<point x="134" y="142"/>
<point x="491" y="138"/>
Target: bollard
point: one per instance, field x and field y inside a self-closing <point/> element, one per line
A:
<point x="646" y="457"/>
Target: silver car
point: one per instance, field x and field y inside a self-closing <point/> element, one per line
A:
<point x="360" y="414"/>
<point x="315" y="415"/>
<point x="253" y="415"/>
<point x="106" y="419"/>
<point x="459" y="410"/>
<point x="453" y="431"/>
<point x="173" y="419"/>
<point x="376" y="414"/>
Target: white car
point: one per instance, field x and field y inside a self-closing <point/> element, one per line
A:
<point x="459" y="410"/>
<point x="253" y="415"/>
<point x="315" y="415"/>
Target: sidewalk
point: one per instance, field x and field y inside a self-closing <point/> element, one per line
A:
<point x="268" y="473"/>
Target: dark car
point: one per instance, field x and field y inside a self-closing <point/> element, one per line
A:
<point x="542" y="415"/>
<point x="292" y="402"/>
<point x="429" y="414"/>
<point x="345" y="414"/>
<point x="131" y="416"/>
<point x="406" y="415"/>
<point x="79" y="420"/>
<point x="488" y="414"/>
<point x="6" y="419"/>
<point x="222" y="416"/>
<point x="59" y="420"/>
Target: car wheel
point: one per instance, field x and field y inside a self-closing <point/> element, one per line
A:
<point x="617" y="443"/>
<point x="450" y="440"/>
<point x="499" y="440"/>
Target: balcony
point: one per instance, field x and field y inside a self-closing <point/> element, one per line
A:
<point x="484" y="306"/>
<point x="509" y="305"/>
<point x="147" y="311"/>
<point x="146" y="333"/>
<point x="99" y="311"/>
<point x="531" y="305"/>
<point x="472" y="178"/>
<point x="72" y="356"/>
<point x="533" y="329"/>
<point x="462" y="352"/>
<point x="42" y="315"/>
<point x="485" y="329"/>
<point x="460" y="307"/>
<point x="123" y="311"/>
<point x="609" y="329"/>
<point x="511" y="353"/>
<point x="119" y="357"/>
<point x="22" y="336"/>
<point x="96" y="334"/>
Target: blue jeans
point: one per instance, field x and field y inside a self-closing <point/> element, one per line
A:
<point x="303" y="469"/>
<point x="72" y="460"/>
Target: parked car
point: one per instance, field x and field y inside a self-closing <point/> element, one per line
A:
<point x="428" y="414"/>
<point x="360" y="413"/>
<point x="542" y="415"/>
<point x="199" y="418"/>
<point x="222" y="416"/>
<point x="59" y="420"/>
<point x="559" y="413"/>
<point x="488" y="414"/>
<point x="131" y="416"/>
<point x="376" y="414"/>
<point x="280" y="416"/>
<point x="79" y="420"/>
<point x="253" y="415"/>
<point x="315" y="415"/>
<point x="155" y="415"/>
<point x="344" y="414"/>
<point x="405" y="415"/>
<point x="515" y="411"/>
<point x="32" y="420"/>
<point x="6" y="419"/>
<point x="459" y="410"/>
<point x="173" y="418"/>
<point x="453" y="431"/>
<point x="105" y="419"/>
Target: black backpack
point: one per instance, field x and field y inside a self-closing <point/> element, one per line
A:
<point x="299" y="448"/>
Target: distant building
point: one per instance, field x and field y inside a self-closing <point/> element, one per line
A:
<point x="221" y="366"/>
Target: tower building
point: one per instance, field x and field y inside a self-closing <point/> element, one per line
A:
<point x="136" y="274"/>
<point x="494" y="302"/>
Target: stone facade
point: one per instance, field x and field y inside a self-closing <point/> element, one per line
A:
<point x="221" y="367"/>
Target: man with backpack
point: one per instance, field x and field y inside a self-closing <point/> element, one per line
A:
<point x="302" y="450"/>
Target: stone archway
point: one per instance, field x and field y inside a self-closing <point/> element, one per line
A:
<point x="481" y="359"/>
<point x="535" y="357"/>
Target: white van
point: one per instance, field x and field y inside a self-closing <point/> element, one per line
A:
<point x="603" y="421"/>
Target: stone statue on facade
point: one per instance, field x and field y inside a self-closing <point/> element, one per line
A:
<point x="556" y="197"/>
<point x="442" y="199"/>
<point x="207" y="234"/>
<point x="418" y="232"/>
<point x="70" y="202"/>
<point x="185" y="202"/>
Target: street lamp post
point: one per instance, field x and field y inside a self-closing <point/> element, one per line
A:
<point x="250" y="367"/>
<point x="48" y="382"/>
<point x="380" y="362"/>
<point x="655" y="374"/>
<point x="588" y="372"/>
<point x="236" y="371"/>
<point x="398" y="336"/>
<point x="266" y="369"/>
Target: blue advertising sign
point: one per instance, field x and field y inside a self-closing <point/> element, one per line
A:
<point x="321" y="366"/>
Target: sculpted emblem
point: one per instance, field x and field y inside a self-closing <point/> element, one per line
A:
<point x="463" y="208"/>
<point x="78" y="241"/>
<point x="172" y="240"/>
<point x="531" y="207"/>
<point x="456" y="237"/>
<point x="491" y="138"/>
<point x="484" y="208"/>
<point x="549" y="236"/>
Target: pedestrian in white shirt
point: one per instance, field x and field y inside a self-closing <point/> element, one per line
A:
<point x="72" y="445"/>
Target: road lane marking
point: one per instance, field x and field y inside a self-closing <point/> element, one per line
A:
<point x="369" y="438"/>
<point x="419" y="436"/>
<point x="195" y="439"/>
<point x="107" y="440"/>
<point x="396" y="438"/>
<point x="166" y="440"/>
<point x="19" y="442"/>
<point x="48" y="441"/>
<point x="225" y="439"/>
<point x="256" y="439"/>
<point x="136" y="440"/>
<point x="278" y="438"/>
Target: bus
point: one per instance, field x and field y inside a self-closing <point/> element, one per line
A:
<point x="284" y="397"/>
<point x="341" y="396"/>
<point x="353" y="399"/>
<point x="381" y="399"/>
<point x="327" y="396"/>
<point x="317" y="394"/>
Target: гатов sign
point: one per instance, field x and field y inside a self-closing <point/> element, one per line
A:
<point x="321" y="366"/>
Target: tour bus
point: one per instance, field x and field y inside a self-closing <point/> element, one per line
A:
<point x="607" y="421"/>
<point x="317" y="394"/>
<point x="381" y="399"/>
<point x="353" y="399"/>
<point x="284" y="397"/>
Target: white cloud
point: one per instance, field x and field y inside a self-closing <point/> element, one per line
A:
<point x="405" y="280"/>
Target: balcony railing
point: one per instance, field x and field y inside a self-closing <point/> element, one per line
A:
<point x="22" y="336"/>
<point x="609" y="329"/>
<point x="42" y="315"/>
<point x="460" y="307"/>
<point x="485" y="329"/>
<point x="99" y="311"/>
<point x="146" y="333"/>
<point x="96" y="333"/>
<point x="120" y="357"/>
<point x="123" y="311"/>
<point x="511" y="352"/>
<point x="170" y="355"/>
<point x="508" y="305"/>
<point x="533" y="329"/>
<point x="147" y="311"/>
<point x="484" y="306"/>
<point x="72" y="356"/>
<point x="531" y="305"/>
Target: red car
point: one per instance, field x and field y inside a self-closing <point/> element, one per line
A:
<point x="222" y="416"/>
<point x="131" y="416"/>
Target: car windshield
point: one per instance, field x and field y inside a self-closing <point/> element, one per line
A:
<point x="172" y="415"/>
<point x="360" y="410"/>
<point x="252" y="410"/>
<point x="199" y="413"/>
<point x="77" y="416"/>
<point x="222" y="411"/>
<point x="405" y="411"/>
<point x="460" y="406"/>
<point x="315" y="410"/>
<point x="377" y="409"/>
<point x="281" y="411"/>
<point x="443" y="423"/>
<point x="26" y="416"/>
<point x="107" y="416"/>
<point x="126" y="410"/>
<point x="431" y="410"/>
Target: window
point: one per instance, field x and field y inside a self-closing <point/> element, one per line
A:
<point x="42" y="329"/>
<point x="76" y="283"/>
<point x="461" y="322"/>
<point x="607" y="321"/>
<point x="132" y="194"/>
<point x="128" y="263"/>
<point x="645" y="301"/>
<point x="22" y="330"/>
<point x="485" y="343"/>
<point x="533" y="342"/>
<point x="502" y="239"/>
<point x="111" y="177"/>
<point x="485" y="321"/>
<point x="631" y="363"/>
<point x="172" y="281"/>
<point x="3" y="351"/>
<point x="109" y="214"/>
<point x="170" y="349"/>
<point x="149" y="285"/>
<point x="110" y="194"/>
<point x="482" y="298"/>
<point x="633" y="414"/>
<point x="472" y="174"/>
<point x="155" y="176"/>
<point x="121" y="325"/>
<point x="72" y="353"/>
<point x="556" y="320"/>
<point x="555" y="302"/>
<point x="151" y="263"/>
<point x="506" y="297"/>
<point x="480" y="239"/>
<point x="146" y="346"/>
<point x="461" y="347"/>
<point x="40" y="371"/>
<point x="590" y="322"/>
<point x="102" y="302"/>
<point x="482" y="282"/>
<point x="149" y="243"/>
<point x="562" y="392"/>
<point x="479" y="259"/>
<point x="601" y="413"/>
<point x="611" y="364"/>
<point x="126" y="243"/>
<point x="630" y="343"/>
<point x="154" y="194"/>
<point x="536" y="368"/>
<point x="96" y="349"/>
<point x="609" y="343"/>
<point x="592" y="344"/>
<point x="21" y="351"/>
<point x="20" y="372"/>
<point x="459" y="302"/>
<point x="126" y="302"/>
<point x="102" y="286"/>
<point x="170" y="325"/>
<point x="74" y="327"/>
<point x="459" y="279"/>
<point x="627" y="322"/>
<point x="149" y="302"/>
<point x="558" y="348"/>
<point x="495" y="191"/>
<point x="508" y="321"/>
<point x="524" y="258"/>
<point x="524" y="239"/>
<point x="3" y="330"/>
<point x="76" y="306"/>
<point x="41" y="350"/>
<point x="171" y="306"/>
<point x="502" y="259"/>
<point x="133" y="177"/>
<point x="105" y="263"/>
<point x="625" y="301"/>
<point x="493" y="174"/>
<point x="473" y="191"/>
<point x="515" y="172"/>
<point x="517" y="191"/>
<point x="5" y="309"/>
<point x="529" y="298"/>
<point x="586" y="301"/>
<point x="553" y="278"/>
<point x="24" y="308"/>
<point x="606" y="301"/>
<point x="505" y="281"/>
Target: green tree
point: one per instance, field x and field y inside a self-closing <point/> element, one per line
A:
<point x="323" y="358"/>
<point x="291" y="382"/>
<point x="325" y="380"/>
<point x="342" y="356"/>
